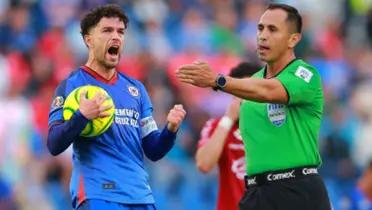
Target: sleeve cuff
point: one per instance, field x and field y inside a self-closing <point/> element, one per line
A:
<point x="170" y="133"/>
<point x="79" y="119"/>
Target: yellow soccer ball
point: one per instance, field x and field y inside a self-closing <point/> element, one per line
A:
<point x="96" y="126"/>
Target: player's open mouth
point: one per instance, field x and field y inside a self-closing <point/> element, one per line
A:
<point x="113" y="50"/>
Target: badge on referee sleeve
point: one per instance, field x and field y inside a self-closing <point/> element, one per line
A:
<point x="304" y="73"/>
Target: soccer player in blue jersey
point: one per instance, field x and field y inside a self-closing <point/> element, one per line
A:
<point x="108" y="170"/>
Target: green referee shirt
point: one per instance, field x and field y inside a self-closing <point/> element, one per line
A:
<point x="279" y="136"/>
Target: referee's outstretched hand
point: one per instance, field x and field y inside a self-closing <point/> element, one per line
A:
<point x="93" y="108"/>
<point x="198" y="73"/>
<point x="175" y="117"/>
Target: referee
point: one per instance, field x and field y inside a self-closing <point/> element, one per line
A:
<point x="279" y="118"/>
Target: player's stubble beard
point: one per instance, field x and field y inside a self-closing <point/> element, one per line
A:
<point x="103" y="61"/>
<point x="111" y="65"/>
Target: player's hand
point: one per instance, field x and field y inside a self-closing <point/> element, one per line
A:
<point x="198" y="73"/>
<point x="93" y="108"/>
<point x="233" y="109"/>
<point x="175" y="117"/>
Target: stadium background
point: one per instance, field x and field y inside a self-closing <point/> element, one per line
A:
<point x="40" y="44"/>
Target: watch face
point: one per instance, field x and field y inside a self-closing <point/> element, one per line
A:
<point x="221" y="81"/>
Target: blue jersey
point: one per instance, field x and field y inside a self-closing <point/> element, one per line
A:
<point x="110" y="166"/>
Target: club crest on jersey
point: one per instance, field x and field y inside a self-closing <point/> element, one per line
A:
<point x="133" y="91"/>
<point x="58" y="102"/>
<point x="276" y="113"/>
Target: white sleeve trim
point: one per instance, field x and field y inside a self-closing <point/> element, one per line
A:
<point x="148" y="125"/>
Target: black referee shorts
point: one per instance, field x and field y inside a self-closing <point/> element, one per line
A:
<point x="285" y="191"/>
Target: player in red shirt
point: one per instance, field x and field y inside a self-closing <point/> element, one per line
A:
<point x="221" y="143"/>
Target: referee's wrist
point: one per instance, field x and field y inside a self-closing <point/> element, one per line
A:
<point x="226" y="122"/>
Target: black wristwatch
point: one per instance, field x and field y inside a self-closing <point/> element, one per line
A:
<point x="220" y="82"/>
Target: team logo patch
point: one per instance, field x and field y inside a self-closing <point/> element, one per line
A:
<point x="58" y="102"/>
<point x="276" y="113"/>
<point x="133" y="91"/>
<point x="304" y="74"/>
<point x="107" y="186"/>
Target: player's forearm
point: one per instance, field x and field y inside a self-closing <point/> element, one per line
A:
<point x="255" y="89"/>
<point x="157" y="144"/>
<point x="61" y="135"/>
<point x="208" y="155"/>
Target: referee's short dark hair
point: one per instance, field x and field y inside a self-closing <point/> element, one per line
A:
<point x="244" y="69"/>
<point x="92" y="18"/>
<point x="293" y="16"/>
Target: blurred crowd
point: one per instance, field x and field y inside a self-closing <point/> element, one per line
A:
<point x="40" y="44"/>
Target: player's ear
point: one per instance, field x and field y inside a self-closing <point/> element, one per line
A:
<point x="294" y="39"/>
<point x="88" y="40"/>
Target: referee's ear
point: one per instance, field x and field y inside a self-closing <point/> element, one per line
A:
<point x="294" y="39"/>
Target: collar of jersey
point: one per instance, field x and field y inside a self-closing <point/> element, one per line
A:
<point x="265" y="69"/>
<point x="98" y="77"/>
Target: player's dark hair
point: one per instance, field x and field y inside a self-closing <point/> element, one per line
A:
<point x="244" y="69"/>
<point x="293" y="16"/>
<point x="92" y="18"/>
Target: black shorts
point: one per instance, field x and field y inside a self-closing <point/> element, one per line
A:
<point x="300" y="193"/>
